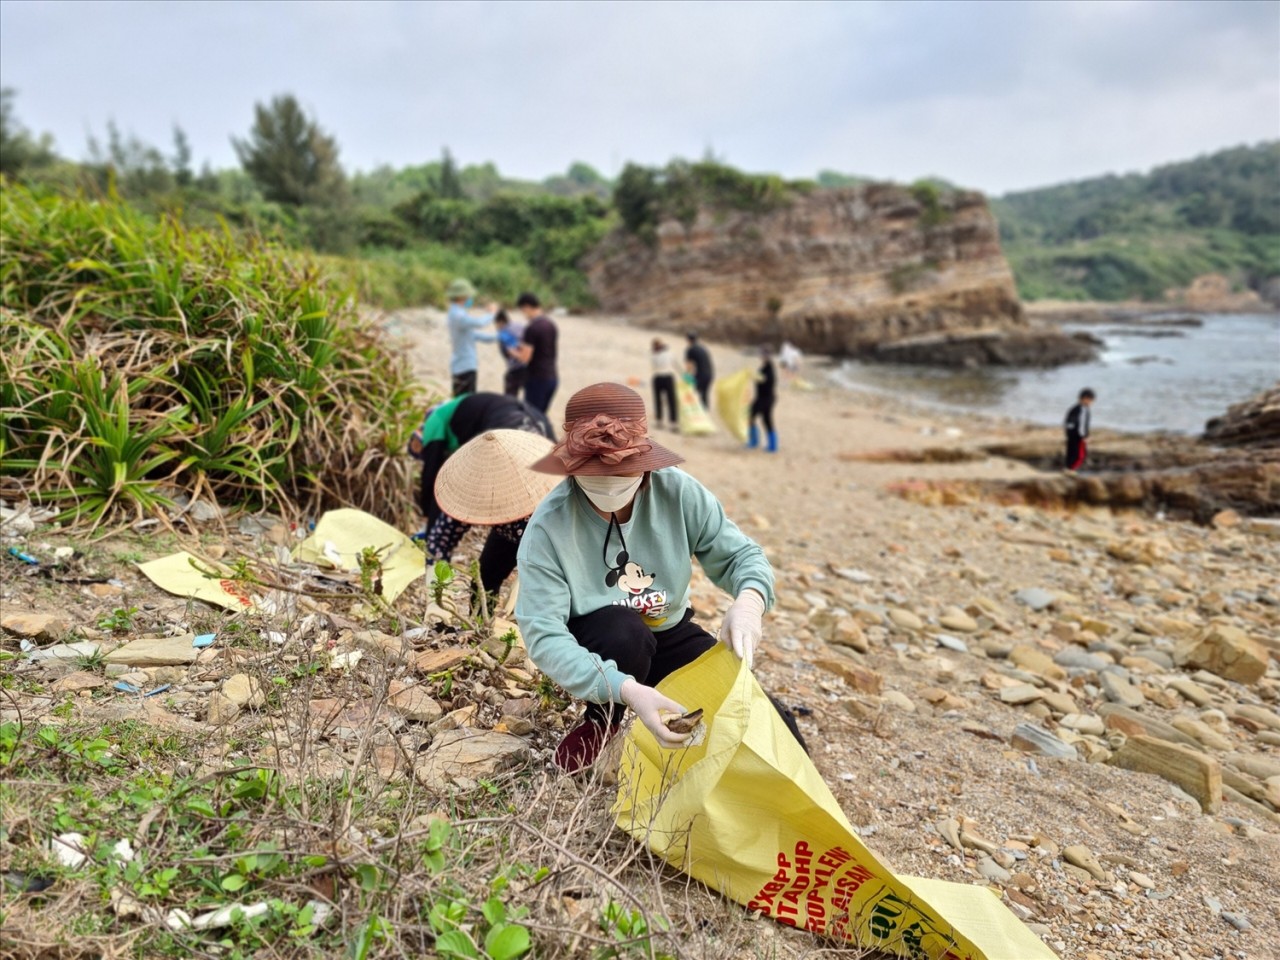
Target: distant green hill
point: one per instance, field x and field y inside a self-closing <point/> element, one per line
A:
<point x="1135" y="236"/>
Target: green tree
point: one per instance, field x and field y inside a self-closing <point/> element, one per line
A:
<point x="18" y="149"/>
<point x="291" y="159"/>
<point x="450" y="183"/>
<point x="181" y="161"/>
<point x="637" y="197"/>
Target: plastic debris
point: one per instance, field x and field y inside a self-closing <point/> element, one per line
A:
<point x="24" y="557"/>
<point x="178" y="919"/>
<point x="204" y="640"/>
<point x="69" y="849"/>
<point x="123" y="851"/>
<point x="125" y="687"/>
<point x="160" y="689"/>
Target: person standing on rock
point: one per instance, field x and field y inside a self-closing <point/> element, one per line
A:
<point x="664" y="382"/>
<point x="1077" y="430"/>
<point x="538" y="352"/>
<point x="605" y="565"/>
<point x="464" y="331"/>
<point x="697" y="360"/>
<point x="762" y="404"/>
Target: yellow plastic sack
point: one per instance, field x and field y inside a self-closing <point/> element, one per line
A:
<point x="733" y="401"/>
<point x="339" y="537"/>
<point x="690" y="414"/>
<point x="176" y="574"/>
<point x="748" y="814"/>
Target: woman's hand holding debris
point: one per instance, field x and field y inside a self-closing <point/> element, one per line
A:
<point x="651" y="707"/>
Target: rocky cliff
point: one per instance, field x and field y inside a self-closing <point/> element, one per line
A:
<point x="858" y="271"/>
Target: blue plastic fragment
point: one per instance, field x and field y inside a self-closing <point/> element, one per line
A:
<point x="204" y="640"/>
<point x="125" y="687"/>
<point x="24" y="557"/>
<point x="160" y="689"/>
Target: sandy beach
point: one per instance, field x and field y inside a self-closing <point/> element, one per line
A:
<point x="869" y="578"/>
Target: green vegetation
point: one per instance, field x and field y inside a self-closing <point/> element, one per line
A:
<point x="1138" y="235"/>
<point x="646" y="196"/>
<point x="142" y="359"/>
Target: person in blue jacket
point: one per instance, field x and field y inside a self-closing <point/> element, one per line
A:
<point x="464" y="331"/>
<point x="605" y="565"/>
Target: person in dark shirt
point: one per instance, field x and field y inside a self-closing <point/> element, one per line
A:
<point x="763" y="402"/>
<point x="697" y="361"/>
<point x="1077" y="430"/>
<point x="538" y="353"/>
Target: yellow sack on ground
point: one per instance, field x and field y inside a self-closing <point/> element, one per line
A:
<point x="747" y="813"/>
<point x="176" y="574"/>
<point x="690" y="414"/>
<point x="340" y="536"/>
<point x="733" y="401"/>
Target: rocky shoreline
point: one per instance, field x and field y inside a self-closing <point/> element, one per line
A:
<point x="1079" y="708"/>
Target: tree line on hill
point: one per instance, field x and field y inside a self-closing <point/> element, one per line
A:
<point x="1107" y="238"/>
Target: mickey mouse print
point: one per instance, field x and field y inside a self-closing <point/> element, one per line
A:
<point x="636" y="584"/>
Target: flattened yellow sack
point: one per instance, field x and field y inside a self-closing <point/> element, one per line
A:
<point x="339" y="537"/>
<point x="747" y="813"/>
<point x="179" y="574"/>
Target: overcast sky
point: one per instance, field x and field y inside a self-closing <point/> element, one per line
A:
<point x="1000" y="95"/>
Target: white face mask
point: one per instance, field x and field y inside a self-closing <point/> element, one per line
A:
<point x="610" y="494"/>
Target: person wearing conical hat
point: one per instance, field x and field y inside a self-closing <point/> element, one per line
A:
<point x="488" y="483"/>
<point x="605" y="565"/>
<point x="464" y="331"/>
<point x="447" y="427"/>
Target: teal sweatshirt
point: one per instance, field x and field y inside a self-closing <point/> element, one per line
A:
<point x="563" y="573"/>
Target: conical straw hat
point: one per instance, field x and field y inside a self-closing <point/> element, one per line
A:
<point x="488" y="480"/>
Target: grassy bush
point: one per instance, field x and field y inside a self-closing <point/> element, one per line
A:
<point x="139" y="358"/>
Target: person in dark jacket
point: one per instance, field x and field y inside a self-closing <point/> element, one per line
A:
<point x="763" y="403"/>
<point x="446" y="428"/>
<point x="1077" y="430"/>
<point x="697" y="360"/>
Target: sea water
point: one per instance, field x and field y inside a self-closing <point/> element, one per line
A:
<point x="1148" y="376"/>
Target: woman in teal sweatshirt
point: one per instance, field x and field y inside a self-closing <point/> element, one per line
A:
<point x="605" y="565"/>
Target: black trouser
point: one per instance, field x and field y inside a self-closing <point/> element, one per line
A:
<point x="620" y="634"/>
<point x="513" y="380"/>
<point x="664" y="389"/>
<point x="1077" y="450"/>
<point x="702" y="386"/>
<point x="538" y="393"/>
<point x="763" y="408"/>
<point x="464" y="383"/>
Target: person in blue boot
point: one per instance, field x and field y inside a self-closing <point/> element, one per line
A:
<point x="762" y="404"/>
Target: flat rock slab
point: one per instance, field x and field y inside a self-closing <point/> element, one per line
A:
<point x="1196" y="773"/>
<point x="156" y="651"/>
<point x="860" y="678"/>
<point x="437" y="661"/>
<point x="1037" y="598"/>
<point x="460" y="759"/>
<point x="80" y="680"/>
<point x="1029" y="738"/>
<point x="1226" y="651"/>
<point x="414" y="703"/>
<point x="34" y="626"/>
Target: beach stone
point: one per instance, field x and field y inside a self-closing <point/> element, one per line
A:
<point x="1191" y="770"/>
<point x="437" y="661"/>
<point x="992" y="871"/>
<point x="222" y="709"/>
<point x="858" y="677"/>
<point x="461" y="758"/>
<point x="77" y="681"/>
<point x="1030" y="738"/>
<point x="855" y="576"/>
<point x="1036" y="661"/>
<point x="1073" y="658"/>
<point x="34" y="626"/>
<point x="1019" y="694"/>
<point x="900" y="700"/>
<point x="156" y="651"/>
<point x="243" y="690"/>
<point x="1084" y="723"/>
<point x="1037" y="598"/>
<point x="1192" y="691"/>
<point x="1258" y="715"/>
<point x="1119" y="690"/>
<point x="1202" y="732"/>
<point x="413" y="702"/>
<point x="1082" y="857"/>
<point x="905" y="619"/>
<point x="847" y="633"/>
<point x="1142" y="880"/>
<point x="951" y="643"/>
<point x="956" y="619"/>
<point x="1227" y="651"/>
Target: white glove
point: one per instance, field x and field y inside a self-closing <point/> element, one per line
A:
<point x="740" y="628"/>
<point x="650" y="706"/>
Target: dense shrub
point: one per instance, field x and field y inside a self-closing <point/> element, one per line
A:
<point x="139" y="357"/>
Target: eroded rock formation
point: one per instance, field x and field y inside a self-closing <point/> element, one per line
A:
<point x="849" y="271"/>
